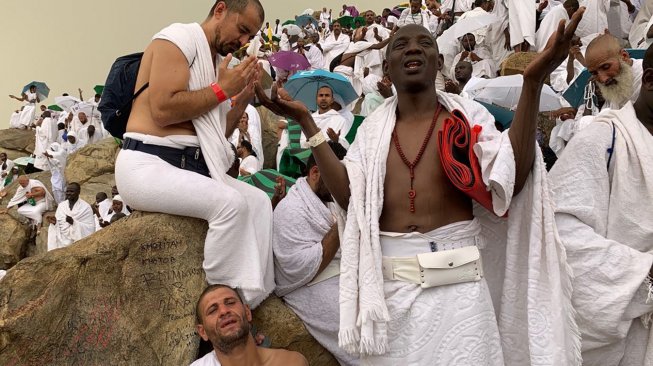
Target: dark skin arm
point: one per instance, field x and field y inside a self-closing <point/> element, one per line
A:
<point x="522" y="131"/>
<point x="330" y="245"/>
<point x="649" y="34"/>
<point x="332" y="171"/>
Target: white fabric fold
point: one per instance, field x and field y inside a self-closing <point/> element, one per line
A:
<point x="62" y="234"/>
<point x="599" y="213"/>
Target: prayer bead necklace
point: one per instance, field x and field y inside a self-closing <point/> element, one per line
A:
<point x="411" y="166"/>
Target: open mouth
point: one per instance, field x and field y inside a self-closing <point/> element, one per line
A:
<point x="413" y="65"/>
<point x="227" y="323"/>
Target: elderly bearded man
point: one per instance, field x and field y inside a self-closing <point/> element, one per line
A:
<point x="395" y="306"/>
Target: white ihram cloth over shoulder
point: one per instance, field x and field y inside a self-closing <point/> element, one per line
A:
<point x="333" y="46"/>
<point x="21" y="192"/>
<point x="602" y="219"/>
<point x="301" y="220"/>
<point x="329" y="119"/>
<point x="521" y="19"/>
<point x="535" y="316"/>
<point x="549" y="25"/>
<point x="210" y="359"/>
<point x="61" y="234"/>
<point x="251" y="260"/>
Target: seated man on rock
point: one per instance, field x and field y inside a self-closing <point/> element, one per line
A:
<point x="306" y="251"/>
<point x="224" y="319"/>
<point x="32" y="199"/>
<point x="73" y="220"/>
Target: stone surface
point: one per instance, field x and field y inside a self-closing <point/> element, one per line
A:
<point x="94" y="185"/>
<point x="269" y="137"/>
<point x="274" y="319"/>
<point x="92" y="161"/>
<point x="123" y="296"/>
<point x="19" y="140"/>
<point x="13" y="236"/>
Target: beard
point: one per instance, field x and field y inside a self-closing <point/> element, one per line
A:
<point x="223" y="48"/>
<point x="621" y="90"/>
<point x="226" y="343"/>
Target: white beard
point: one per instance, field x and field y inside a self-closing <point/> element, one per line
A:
<point x="622" y="90"/>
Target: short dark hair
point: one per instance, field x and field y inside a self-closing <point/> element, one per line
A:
<point x="75" y="184"/>
<point x="248" y="146"/>
<point x="337" y="149"/>
<point x="117" y="216"/>
<point x="211" y="288"/>
<point x="239" y="5"/>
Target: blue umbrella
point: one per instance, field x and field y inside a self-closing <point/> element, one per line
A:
<point x="41" y="89"/>
<point x="502" y="115"/>
<point x="304" y="20"/>
<point x="304" y="85"/>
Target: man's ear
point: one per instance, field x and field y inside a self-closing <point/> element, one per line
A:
<point x="385" y="68"/>
<point x="202" y="332"/>
<point x="440" y="62"/>
<point x="248" y="313"/>
<point x="220" y="10"/>
<point x="314" y="173"/>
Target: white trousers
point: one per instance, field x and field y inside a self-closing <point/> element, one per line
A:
<point x="237" y="249"/>
<point x="34" y="213"/>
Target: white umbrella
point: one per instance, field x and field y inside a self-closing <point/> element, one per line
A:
<point x="88" y="108"/>
<point x="66" y="102"/>
<point x="293" y="30"/>
<point x="467" y="25"/>
<point x="505" y="91"/>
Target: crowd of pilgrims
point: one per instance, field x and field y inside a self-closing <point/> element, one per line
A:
<point x="348" y="42"/>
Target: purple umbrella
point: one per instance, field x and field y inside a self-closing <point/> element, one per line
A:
<point x="289" y="60"/>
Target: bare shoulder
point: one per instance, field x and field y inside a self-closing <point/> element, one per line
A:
<point x="282" y="357"/>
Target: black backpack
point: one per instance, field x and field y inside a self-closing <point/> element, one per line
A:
<point x="118" y="94"/>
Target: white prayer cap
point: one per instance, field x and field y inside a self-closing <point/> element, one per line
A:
<point x="72" y="133"/>
<point x="117" y="198"/>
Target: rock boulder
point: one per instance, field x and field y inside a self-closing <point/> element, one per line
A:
<point x="20" y="141"/>
<point x="123" y="296"/>
<point x="92" y="161"/>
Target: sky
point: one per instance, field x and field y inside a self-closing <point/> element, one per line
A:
<point x="71" y="44"/>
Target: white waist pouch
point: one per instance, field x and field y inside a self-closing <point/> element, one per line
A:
<point x="450" y="266"/>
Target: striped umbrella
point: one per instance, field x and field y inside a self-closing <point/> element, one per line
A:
<point x="266" y="179"/>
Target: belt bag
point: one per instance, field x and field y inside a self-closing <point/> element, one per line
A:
<point x="450" y="266"/>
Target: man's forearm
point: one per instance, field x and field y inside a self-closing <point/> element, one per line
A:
<point x="233" y="117"/>
<point x="522" y="131"/>
<point x="182" y="106"/>
<point x="332" y="170"/>
<point x="330" y="246"/>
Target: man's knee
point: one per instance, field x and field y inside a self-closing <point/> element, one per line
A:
<point x="231" y="205"/>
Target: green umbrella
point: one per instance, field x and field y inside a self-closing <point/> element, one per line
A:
<point x="98" y="89"/>
<point x="347" y="21"/>
<point x="266" y="179"/>
<point x="289" y="21"/>
<point x="55" y="107"/>
<point x="294" y="157"/>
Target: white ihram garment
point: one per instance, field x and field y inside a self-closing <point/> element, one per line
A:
<point x="62" y="234"/>
<point x="333" y="47"/>
<point x="301" y="220"/>
<point x="29" y="111"/>
<point x="237" y="250"/>
<point x="330" y="119"/>
<point x="57" y="165"/>
<point x="595" y="18"/>
<point x="641" y="25"/>
<point x="549" y="25"/>
<point x="521" y="19"/>
<point x="601" y="214"/>
<point x="34" y="213"/>
<point x="535" y="317"/>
